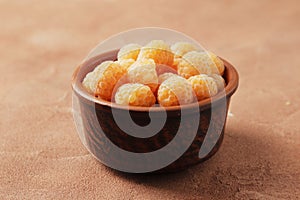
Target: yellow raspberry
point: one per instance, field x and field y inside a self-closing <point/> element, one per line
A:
<point x="135" y="94"/>
<point x="159" y="51"/>
<point x="165" y="76"/>
<point x="108" y="78"/>
<point x="143" y="71"/>
<point x="219" y="64"/>
<point x="181" y="48"/>
<point x="219" y="81"/>
<point x="194" y="63"/>
<point x="91" y="79"/>
<point x="175" y="91"/>
<point x="203" y="86"/>
<point x="126" y="63"/>
<point x="129" y="51"/>
<point x="89" y="82"/>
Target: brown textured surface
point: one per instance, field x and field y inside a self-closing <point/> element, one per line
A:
<point x="42" y="42"/>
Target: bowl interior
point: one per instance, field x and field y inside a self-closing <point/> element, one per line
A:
<point x="230" y="75"/>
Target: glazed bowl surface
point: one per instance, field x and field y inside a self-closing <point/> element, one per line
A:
<point x="124" y="137"/>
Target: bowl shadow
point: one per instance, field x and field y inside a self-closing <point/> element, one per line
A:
<point x="241" y="168"/>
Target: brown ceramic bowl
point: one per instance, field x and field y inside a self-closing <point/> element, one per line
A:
<point x="96" y="125"/>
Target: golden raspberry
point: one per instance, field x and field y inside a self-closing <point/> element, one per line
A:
<point x="134" y="94"/>
<point x="219" y="81"/>
<point x="194" y="63"/>
<point x="126" y="63"/>
<point x="129" y="51"/>
<point x="108" y="77"/>
<point x="91" y="79"/>
<point x="143" y="71"/>
<point x="165" y="76"/>
<point x="181" y="48"/>
<point x="219" y="64"/>
<point x="159" y="51"/>
<point x="203" y="86"/>
<point x="175" y="91"/>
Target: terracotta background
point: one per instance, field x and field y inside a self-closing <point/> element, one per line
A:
<point x="43" y="41"/>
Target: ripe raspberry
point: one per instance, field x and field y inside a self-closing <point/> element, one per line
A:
<point x="129" y="51"/>
<point x="134" y="94"/>
<point x="219" y="81"/>
<point x="203" y="86"/>
<point x="108" y="77"/>
<point x="126" y="63"/>
<point x="143" y="71"/>
<point x="219" y="64"/>
<point x="91" y="79"/>
<point x="181" y="48"/>
<point x="165" y="76"/>
<point x="175" y="91"/>
<point x="194" y="63"/>
<point x="159" y="51"/>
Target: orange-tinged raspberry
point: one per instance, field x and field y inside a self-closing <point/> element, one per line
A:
<point x="219" y="64"/>
<point x="129" y="51"/>
<point x="126" y="63"/>
<point x="108" y="77"/>
<point x="175" y="91"/>
<point x="159" y="51"/>
<point x="89" y="82"/>
<point x="134" y="94"/>
<point x="165" y="76"/>
<point x="91" y="79"/>
<point x="194" y="63"/>
<point x="181" y="48"/>
<point x="219" y="81"/>
<point x="203" y="86"/>
<point x="143" y="71"/>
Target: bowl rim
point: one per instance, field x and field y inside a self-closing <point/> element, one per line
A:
<point x="229" y="89"/>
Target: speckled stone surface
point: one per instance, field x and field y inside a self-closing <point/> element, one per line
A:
<point x="42" y="43"/>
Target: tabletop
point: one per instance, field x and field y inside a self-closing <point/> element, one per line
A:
<point x="42" y="42"/>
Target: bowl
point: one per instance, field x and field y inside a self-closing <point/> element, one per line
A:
<point x="181" y="137"/>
